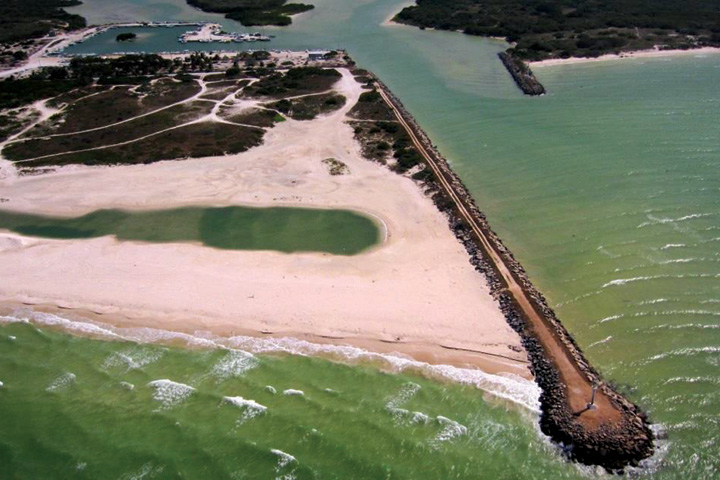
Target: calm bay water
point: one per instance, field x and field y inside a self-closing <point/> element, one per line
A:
<point x="607" y="190"/>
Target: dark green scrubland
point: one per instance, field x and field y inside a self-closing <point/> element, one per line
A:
<point x="254" y="12"/>
<point x="297" y="81"/>
<point x="82" y="72"/>
<point x="575" y="28"/>
<point x="139" y="109"/>
<point x="26" y="19"/>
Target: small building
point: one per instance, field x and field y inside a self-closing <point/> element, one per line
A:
<point x="315" y="55"/>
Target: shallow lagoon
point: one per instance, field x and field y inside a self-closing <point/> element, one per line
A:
<point x="282" y="229"/>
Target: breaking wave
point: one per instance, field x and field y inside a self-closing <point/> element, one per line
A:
<point x="509" y="387"/>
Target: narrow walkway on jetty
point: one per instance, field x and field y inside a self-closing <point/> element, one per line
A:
<point x="607" y="414"/>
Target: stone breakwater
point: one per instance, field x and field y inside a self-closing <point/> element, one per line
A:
<point x="521" y="73"/>
<point x="614" y="445"/>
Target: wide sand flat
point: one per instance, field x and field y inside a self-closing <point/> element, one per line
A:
<point x="417" y="289"/>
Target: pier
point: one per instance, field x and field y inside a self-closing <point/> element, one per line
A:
<point x="592" y="422"/>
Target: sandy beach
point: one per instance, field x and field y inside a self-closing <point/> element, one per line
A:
<point x="416" y="293"/>
<point x="637" y="54"/>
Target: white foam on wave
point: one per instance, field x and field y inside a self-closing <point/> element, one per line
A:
<point x="61" y="383"/>
<point x="654" y="220"/>
<point x="51" y="320"/>
<point x="284" y="459"/>
<point x="293" y="392"/>
<point x="146" y="471"/>
<point x="610" y="318"/>
<point x="133" y="358"/>
<point x="270" y="389"/>
<point x="407" y="391"/>
<point x="12" y="337"/>
<point x="683" y="352"/>
<point x="684" y="326"/>
<point x="713" y="380"/>
<point x="668" y="246"/>
<point x="1" y="384"/>
<point x="127" y="385"/>
<point x="250" y="408"/>
<point x="234" y="364"/>
<point x="170" y="393"/>
<point x="600" y="342"/>
<point x="675" y="313"/>
<point x="450" y="431"/>
<point x="625" y="281"/>
<point x="652" y="302"/>
<point x="506" y="386"/>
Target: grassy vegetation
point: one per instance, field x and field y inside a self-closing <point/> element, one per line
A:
<point x="25" y="19"/>
<point x="254" y="12"/>
<point x="336" y="167"/>
<point x="220" y="90"/>
<point x="113" y="106"/>
<point x="297" y="81"/>
<point x="307" y="108"/>
<point x="575" y="28"/>
<point x="371" y="106"/>
<point x="253" y="116"/>
<point x="197" y="140"/>
<point x="101" y="108"/>
<point x="13" y="121"/>
<point x="82" y="72"/>
<point x="37" y="147"/>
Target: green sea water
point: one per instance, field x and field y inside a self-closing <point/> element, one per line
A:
<point x="607" y="190"/>
<point x="283" y="229"/>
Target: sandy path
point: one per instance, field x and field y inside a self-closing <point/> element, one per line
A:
<point x="416" y="290"/>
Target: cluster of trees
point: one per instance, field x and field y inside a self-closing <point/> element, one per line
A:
<point x="23" y="19"/>
<point x="254" y="12"/>
<point x="545" y="28"/>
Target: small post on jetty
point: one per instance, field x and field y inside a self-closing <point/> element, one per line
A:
<point x="591" y="405"/>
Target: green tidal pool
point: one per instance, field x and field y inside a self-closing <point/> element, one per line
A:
<point x="283" y="229"/>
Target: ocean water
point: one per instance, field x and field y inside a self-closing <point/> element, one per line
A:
<point x="608" y="191"/>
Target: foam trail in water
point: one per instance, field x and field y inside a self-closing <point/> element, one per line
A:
<point x="600" y="342"/>
<point x="61" y="383"/>
<point x="624" y="281"/>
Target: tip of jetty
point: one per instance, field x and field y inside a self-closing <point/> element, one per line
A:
<point x="522" y="74"/>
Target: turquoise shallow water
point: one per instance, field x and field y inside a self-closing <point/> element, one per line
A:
<point x="607" y="190"/>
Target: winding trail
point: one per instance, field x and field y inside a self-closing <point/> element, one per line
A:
<point x="47" y="113"/>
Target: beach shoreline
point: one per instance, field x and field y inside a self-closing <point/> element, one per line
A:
<point x="652" y="53"/>
<point x="168" y="326"/>
<point x="395" y="296"/>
